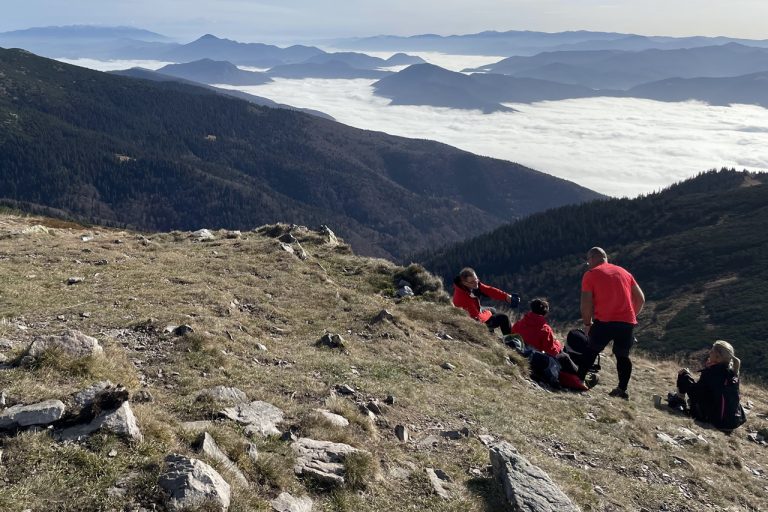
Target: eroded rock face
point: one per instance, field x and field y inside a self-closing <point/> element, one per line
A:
<point x="42" y="413"/>
<point x="527" y="488"/>
<point x="288" y="503"/>
<point x="322" y="460"/>
<point x="120" y="421"/>
<point x="193" y="483"/>
<point x="261" y="418"/>
<point x="70" y="343"/>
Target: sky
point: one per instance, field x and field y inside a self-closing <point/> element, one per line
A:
<point x="310" y="20"/>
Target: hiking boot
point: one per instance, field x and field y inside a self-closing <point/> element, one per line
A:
<point x="620" y="393"/>
<point x="591" y="380"/>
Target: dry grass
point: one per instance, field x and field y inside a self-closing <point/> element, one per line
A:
<point x="236" y="293"/>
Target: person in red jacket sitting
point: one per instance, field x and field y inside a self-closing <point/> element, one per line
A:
<point x="467" y="291"/>
<point x="538" y="335"/>
<point x="535" y="330"/>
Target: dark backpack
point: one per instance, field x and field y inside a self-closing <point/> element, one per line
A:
<point x="577" y="345"/>
<point x="731" y="413"/>
<point x="721" y="404"/>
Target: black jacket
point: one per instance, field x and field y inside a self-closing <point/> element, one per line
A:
<point x="715" y="397"/>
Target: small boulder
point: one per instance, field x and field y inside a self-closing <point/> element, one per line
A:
<point x="182" y="330"/>
<point x="206" y="445"/>
<point x="192" y="483"/>
<point x="120" y="421"/>
<point x="41" y="413"/>
<point x="331" y="341"/>
<point x="71" y="343"/>
<point x="322" y="460"/>
<point x="382" y="316"/>
<point x="526" y="486"/>
<point x="288" y="503"/>
<point x="334" y="419"/>
<point x="439" y="481"/>
<point x="259" y="417"/>
<point x="402" y="433"/>
<point x="203" y="234"/>
<point x="223" y="395"/>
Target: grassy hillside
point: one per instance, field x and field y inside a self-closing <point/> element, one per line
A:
<point x="240" y="291"/>
<point x="698" y="249"/>
<point x="161" y="156"/>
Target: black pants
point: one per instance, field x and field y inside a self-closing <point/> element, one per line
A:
<point x="602" y="333"/>
<point x="500" y="320"/>
<point x="685" y="384"/>
<point x="566" y="363"/>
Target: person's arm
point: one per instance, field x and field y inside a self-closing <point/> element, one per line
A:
<point x="638" y="298"/>
<point x="587" y="308"/>
<point x="493" y="293"/>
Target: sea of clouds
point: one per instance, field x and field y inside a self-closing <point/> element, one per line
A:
<point x="617" y="146"/>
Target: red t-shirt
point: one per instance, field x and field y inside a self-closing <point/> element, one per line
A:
<point x="611" y="288"/>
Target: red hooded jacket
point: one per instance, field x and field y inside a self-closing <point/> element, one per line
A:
<point x="462" y="298"/>
<point x="537" y="333"/>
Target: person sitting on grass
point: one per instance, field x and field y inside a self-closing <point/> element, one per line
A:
<point x="714" y="398"/>
<point x="467" y="290"/>
<point x="538" y="335"/>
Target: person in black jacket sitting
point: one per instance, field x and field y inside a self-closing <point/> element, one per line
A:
<point x="715" y="397"/>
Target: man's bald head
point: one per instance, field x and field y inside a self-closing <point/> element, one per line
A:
<point x="596" y="256"/>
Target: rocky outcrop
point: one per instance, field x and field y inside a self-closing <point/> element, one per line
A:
<point x="223" y="395"/>
<point x="42" y="413"/>
<point x="322" y="460"/>
<point x="192" y="483"/>
<point x="526" y="487"/>
<point x="260" y="418"/>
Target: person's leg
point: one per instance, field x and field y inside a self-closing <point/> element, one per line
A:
<point x="566" y="363"/>
<point x="500" y="320"/>
<point x="599" y="337"/>
<point x="623" y="338"/>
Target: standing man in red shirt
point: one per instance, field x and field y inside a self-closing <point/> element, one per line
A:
<point x="611" y="299"/>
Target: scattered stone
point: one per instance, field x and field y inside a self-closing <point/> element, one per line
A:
<point x="334" y="419"/>
<point x="403" y="292"/>
<point x="41" y="413"/>
<point x="86" y="397"/>
<point x="259" y="417"/>
<point x="223" y="395"/>
<point x="382" y="316"/>
<point x="331" y="238"/>
<point x="203" y="234"/>
<point x="345" y="389"/>
<point x="252" y="452"/>
<point x="112" y="453"/>
<point x="288" y="503"/>
<point x="192" y="483"/>
<point x="322" y="460"/>
<point x="3" y="398"/>
<point x="287" y="248"/>
<point x="143" y="396"/>
<point x="120" y="421"/>
<point x="331" y="341"/>
<point x="206" y="445"/>
<point x="6" y="344"/>
<point x="85" y="314"/>
<point x="101" y="262"/>
<point x="448" y="366"/>
<point x="526" y="486"/>
<point x="438" y="483"/>
<point x="763" y="432"/>
<point x="374" y="407"/>
<point x="390" y="400"/>
<point x="455" y="435"/>
<point x="261" y="348"/>
<point x="182" y="330"/>
<point x="686" y="436"/>
<point x="70" y="343"/>
<point x="428" y="443"/>
<point x="75" y="280"/>
<point x="487" y="439"/>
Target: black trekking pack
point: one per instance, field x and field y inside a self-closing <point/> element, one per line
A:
<point x="731" y="413"/>
<point x="577" y="345"/>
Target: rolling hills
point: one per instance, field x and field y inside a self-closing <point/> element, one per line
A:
<point x="164" y="155"/>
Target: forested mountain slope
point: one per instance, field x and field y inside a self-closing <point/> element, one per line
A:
<point x="699" y="249"/>
<point x="163" y="156"/>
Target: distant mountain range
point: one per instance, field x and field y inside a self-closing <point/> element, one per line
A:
<point x="147" y="74"/>
<point x="209" y="71"/>
<point x="530" y="43"/>
<point x="167" y="155"/>
<point x="426" y="84"/>
<point x="328" y="69"/>
<point x="610" y="69"/>
<point x="698" y="249"/>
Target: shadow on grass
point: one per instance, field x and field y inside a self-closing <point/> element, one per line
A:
<point x="491" y="493"/>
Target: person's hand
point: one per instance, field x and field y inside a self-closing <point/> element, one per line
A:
<point x="513" y="299"/>
<point x="684" y="371"/>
